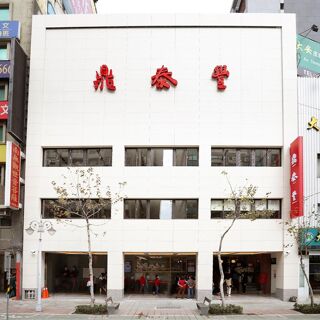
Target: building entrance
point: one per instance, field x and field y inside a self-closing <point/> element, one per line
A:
<point x="141" y="270"/>
<point x="250" y="273"/>
<point x="66" y="272"/>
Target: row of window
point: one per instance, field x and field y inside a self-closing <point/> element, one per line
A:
<point x="73" y="157"/>
<point x="167" y="209"/>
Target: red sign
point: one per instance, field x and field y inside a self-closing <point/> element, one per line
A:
<point x="15" y="177"/>
<point x="104" y="75"/>
<point x="3" y="110"/>
<point x="219" y="73"/>
<point x="162" y="78"/>
<point x="296" y="178"/>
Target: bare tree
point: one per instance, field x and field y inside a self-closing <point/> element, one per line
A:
<point x="240" y="200"/>
<point x="305" y="231"/>
<point x="81" y="195"/>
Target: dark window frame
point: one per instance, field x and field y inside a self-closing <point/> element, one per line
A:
<point x="101" y="163"/>
<point x="48" y="216"/>
<point x="222" y="214"/>
<point x="148" y="216"/>
<point x="224" y="150"/>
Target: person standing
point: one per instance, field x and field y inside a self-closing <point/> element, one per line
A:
<point x="181" y="287"/>
<point x="103" y="283"/>
<point x="142" y="282"/>
<point x="228" y="281"/>
<point x="191" y="286"/>
<point x="157" y="284"/>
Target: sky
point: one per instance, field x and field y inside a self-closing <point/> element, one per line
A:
<point x="163" y="6"/>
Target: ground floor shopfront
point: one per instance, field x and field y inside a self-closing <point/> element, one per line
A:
<point x="67" y="272"/>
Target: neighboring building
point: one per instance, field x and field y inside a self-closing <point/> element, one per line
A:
<point x="15" y="38"/>
<point x="170" y="146"/>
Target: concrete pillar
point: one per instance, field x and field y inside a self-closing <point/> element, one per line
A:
<point x="287" y="274"/>
<point x="204" y="274"/>
<point x="115" y="275"/>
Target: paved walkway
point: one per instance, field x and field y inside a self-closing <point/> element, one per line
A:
<point x="150" y="307"/>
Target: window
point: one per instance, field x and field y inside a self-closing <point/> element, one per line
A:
<point x="161" y="209"/>
<point x="4" y="14"/>
<point x="50" y="8"/>
<point x="5" y="221"/>
<point x="77" y="157"/>
<point x="2" y="132"/>
<point x="161" y="157"/>
<point x="50" y="211"/>
<point x="4" y="51"/>
<point x="3" y="91"/>
<point x="318" y="165"/>
<point x="221" y="208"/>
<point x="232" y="157"/>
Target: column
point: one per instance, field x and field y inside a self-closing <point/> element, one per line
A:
<point x="204" y="274"/>
<point x="115" y="275"/>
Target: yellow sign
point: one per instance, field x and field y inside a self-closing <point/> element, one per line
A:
<point x="313" y="124"/>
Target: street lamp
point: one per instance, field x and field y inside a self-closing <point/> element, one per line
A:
<point x="40" y="227"/>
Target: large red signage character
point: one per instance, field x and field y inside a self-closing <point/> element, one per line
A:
<point x="219" y="73"/>
<point x="296" y="178"/>
<point x="104" y="75"/>
<point x="162" y="78"/>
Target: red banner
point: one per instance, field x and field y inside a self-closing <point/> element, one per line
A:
<point x="296" y="178"/>
<point x="3" y="110"/>
<point x="15" y="177"/>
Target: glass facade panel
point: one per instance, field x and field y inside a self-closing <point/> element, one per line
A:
<point x="93" y="157"/>
<point x="135" y="209"/>
<point x="260" y="157"/>
<point x="314" y="272"/>
<point x="64" y="157"/>
<point x="230" y="156"/>
<point x="4" y="52"/>
<point x="273" y="159"/>
<point x="216" y="209"/>
<point x="131" y="157"/>
<point x="77" y="157"/>
<point x="155" y="209"/>
<point x="156" y="157"/>
<point x="141" y="157"/>
<point x="51" y="158"/>
<point x="2" y="92"/>
<point x="245" y="157"/>
<point x="180" y="157"/>
<point x="217" y="157"/>
<point x="2" y="133"/>
<point x="192" y="157"/>
<point x="4" y="14"/>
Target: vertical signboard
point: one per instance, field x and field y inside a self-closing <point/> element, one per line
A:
<point x="296" y="178"/>
<point x="78" y="6"/>
<point x="13" y="168"/>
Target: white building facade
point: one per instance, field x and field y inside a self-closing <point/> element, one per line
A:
<point x="169" y="146"/>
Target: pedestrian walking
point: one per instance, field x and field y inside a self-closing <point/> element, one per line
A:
<point x="191" y="286"/>
<point x="228" y="281"/>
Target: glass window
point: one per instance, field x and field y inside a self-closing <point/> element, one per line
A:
<point x="130" y="157"/>
<point x="2" y="133"/>
<point x="166" y="209"/>
<point x="229" y="205"/>
<point x="4" y="52"/>
<point x="51" y="158"/>
<point x="4" y="14"/>
<point x="141" y="157"/>
<point x="167" y="157"/>
<point x="77" y="157"/>
<point x="275" y="207"/>
<point x="318" y="165"/>
<point x="93" y="157"/>
<point x="273" y="159"/>
<point x="217" y="157"/>
<point x="230" y="156"/>
<point x="185" y="209"/>
<point x="105" y="157"/>
<point x="155" y="209"/>
<point x="260" y="157"/>
<point x="260" y="205"/>
<point x="245" y="157"/>
<point x="192" y="157"/>
<point x="63" y="157"/>
<point x="156" y="157"/>
<point x="5" y="221"/>
<point x="2" y="92"/>
<point x="216" y="209"/>
<point x="180" y="157"/>
<point x="50" y="9"/>
<point x="135" y="209"/>
<point x="245" y="206"/>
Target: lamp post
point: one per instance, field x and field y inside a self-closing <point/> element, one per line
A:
<point x="40" y="227"/>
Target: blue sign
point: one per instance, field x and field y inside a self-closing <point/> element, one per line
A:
<point x="5" y="69"/>
<point x="9" y="29"/>
<point x="312" y="238"/>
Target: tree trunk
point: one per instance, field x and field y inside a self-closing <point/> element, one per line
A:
<point x="90" y="265"/>
<point x="307" y="279"/>
<point x="223" y="302"/>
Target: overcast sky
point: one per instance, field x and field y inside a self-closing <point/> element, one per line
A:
<point x="164" y="6"/>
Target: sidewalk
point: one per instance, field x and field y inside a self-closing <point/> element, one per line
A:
<point x="150" y="307"/>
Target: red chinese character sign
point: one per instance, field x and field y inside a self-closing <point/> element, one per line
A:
<point x="163" y="78"/>
<point x="296" y="178"/>
<point x="106" y="76"/>
<point x="3" y="110"/>
<point x="219" y="73"/>
<point x="13" y="168"/>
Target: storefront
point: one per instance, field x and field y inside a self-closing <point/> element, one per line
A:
<point x="168" y="267"/>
